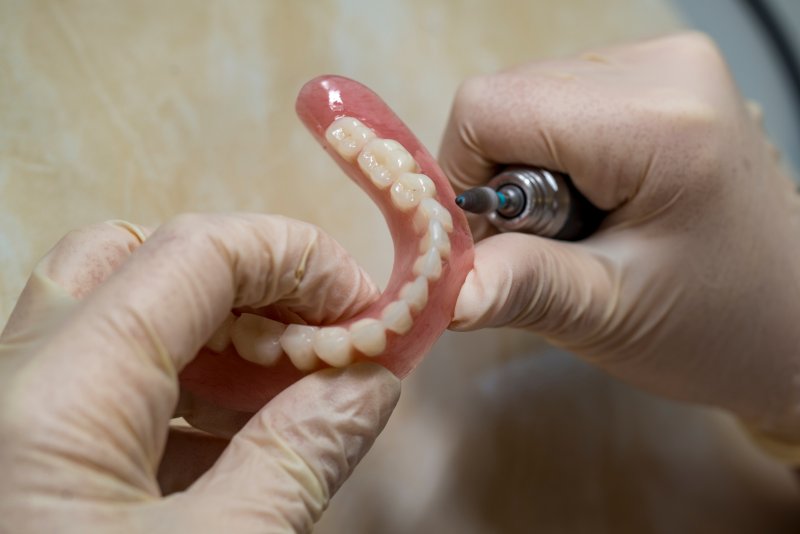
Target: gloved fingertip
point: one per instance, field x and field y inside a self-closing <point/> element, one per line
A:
<point x="473" y="306"/>
<point x="462" y="321"/>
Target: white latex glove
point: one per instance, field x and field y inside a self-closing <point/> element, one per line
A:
<point x="88" y="383"/>
<point x="691" y="288"/>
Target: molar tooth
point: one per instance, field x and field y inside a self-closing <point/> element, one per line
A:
<point x="298" y="344"/>
<point x="368" y="336"/>
<point x="415" y="293"/>
<point x="332" y="345"/>
<point x="430" y="210"/>
<point x="348" y="135"/>
<point x="221" y="338"/>
<point x="384" y="160"/>
<point x="429" y="265"/>
<point x="397" y="317"/>
<point x="256" y="338"/>
<point x="437" y="238"/>
<point x="410" y="188"/>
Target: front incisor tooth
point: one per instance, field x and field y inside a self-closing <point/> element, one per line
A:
<point x="221" y="338"/>
<point x="368" y="336"/>
<point x="397" y="317"/>
<point x="437" y="238"/>
<point x="415" y="293"/>
<point x="429" y="265"/>
<point x="332" y="345"/>
<point x="430" y="210"/>
<point x="348" y="136"/>
<point x="256" y="338"/>
<point x="384" y="160"/>
<point x="410" y="188"/>
<point x="298" y="344"/>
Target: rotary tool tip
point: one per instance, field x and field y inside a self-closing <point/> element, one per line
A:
<point x="478" y="200"/>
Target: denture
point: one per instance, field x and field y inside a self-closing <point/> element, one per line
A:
<point x="250" y="359"/>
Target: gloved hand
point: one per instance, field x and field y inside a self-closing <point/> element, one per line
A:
<point x="691" y="288"/>
<point x="88" y="383"/>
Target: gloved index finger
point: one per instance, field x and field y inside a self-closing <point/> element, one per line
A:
<point x="534" y="118"/>
<point x="604" y="118"/>
<point x="180" y="284"/>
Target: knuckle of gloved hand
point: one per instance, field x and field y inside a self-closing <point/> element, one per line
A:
<point x="185" y="224"/>
<point x="689" y="53"/>
<point x="696" y="46"/>
<point x="200" y="233"/>
<point x="470" y="97"/>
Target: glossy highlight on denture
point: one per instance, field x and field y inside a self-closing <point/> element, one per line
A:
<point x="433" y="253"/>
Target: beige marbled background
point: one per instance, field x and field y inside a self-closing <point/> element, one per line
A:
<point x="144" y="109"/>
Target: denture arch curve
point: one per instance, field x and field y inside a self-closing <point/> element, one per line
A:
<point x="252" y="358"/>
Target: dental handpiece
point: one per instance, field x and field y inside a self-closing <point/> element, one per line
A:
<point x="534" y="201"/>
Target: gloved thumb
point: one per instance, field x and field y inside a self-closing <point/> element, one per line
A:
<point x="559" y="289"/>
<point x="282" y="468"/>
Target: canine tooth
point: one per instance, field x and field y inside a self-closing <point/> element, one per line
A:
<point x="384" y="160"/>
<point x="429" y="265"/>
<point x="348" y="135"/>
<point x="298" y="344"/>
<point x="332" y="345"/>
<point x="368" y="336"/>
<point x="256" y="338"/>
<point x="397" y="317"/>
<point x="410" y="188"/>
<point x="430" y="210"/>
<point x="415" y="293"/>
<point x="437" y="238"/>
<point x="221" y="338"/>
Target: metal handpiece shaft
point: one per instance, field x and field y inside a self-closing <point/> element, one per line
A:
<point x="536" y="201"/>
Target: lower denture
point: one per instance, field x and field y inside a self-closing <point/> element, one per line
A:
<point x="431" y="238"/>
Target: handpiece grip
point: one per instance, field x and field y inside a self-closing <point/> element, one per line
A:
<point x="584" y="217"/>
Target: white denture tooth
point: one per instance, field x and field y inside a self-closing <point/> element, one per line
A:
<point x="332" y="345"/>
<point x="257" y="339"/>
<point x="297" y="342"/>
<point x="430" y="210"/>
<point x="397" y="317"/>
<point x="437" y="238"/>
<point x="415" y="293"/>
<point x="410" y="188"/>
<point x="221" y="338"/>
<point x="347" y="136"/>
<point x="368" y="336"/>
<point x="429" y="265"/>
<point x="384" y="160"/>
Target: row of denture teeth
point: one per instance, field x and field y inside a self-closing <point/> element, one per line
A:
<point x="390" y="167"/>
